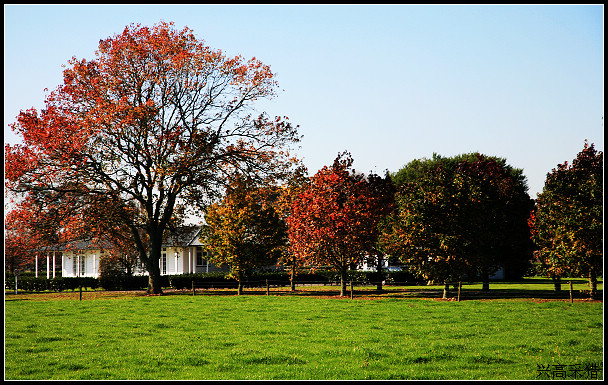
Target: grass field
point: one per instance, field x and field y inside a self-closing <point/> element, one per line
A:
<point x="311" y="335"/>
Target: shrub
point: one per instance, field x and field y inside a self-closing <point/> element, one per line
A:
<point x="319" y="276"/>
<point x="112" y="279"/>
<point x="119" y="280"/>
<point x="201" y="280"/>
<point x="137" y="282"/>
<point x="401" y="277"/>
<point x="259" y="278"/>
<point x="71" y="283"/>
<point x="57" y="284"/>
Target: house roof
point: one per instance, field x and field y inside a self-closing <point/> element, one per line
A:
<point x="81" y="244"/>
<point x="180" y="237"/>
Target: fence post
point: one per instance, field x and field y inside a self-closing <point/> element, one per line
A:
<point x="193" y="288"/>
<point x="351" y="289"/>
<point x="570" y="283"/>
<point x="459" y="287"/>
<point x="267" y="288"/>
<point x="80" y="288"/>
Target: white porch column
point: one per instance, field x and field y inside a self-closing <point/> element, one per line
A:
<point x="176" y="254"/>
<point x="190" y="260"/>
<point x="36" y="265"/>
<point x="53" y="264"/>
<point x="94" y="266"/>
<point x="63" y="264"/>
<point x="48" y="266"/>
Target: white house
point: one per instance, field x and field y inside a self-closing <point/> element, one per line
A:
<point x="182" y="253"/>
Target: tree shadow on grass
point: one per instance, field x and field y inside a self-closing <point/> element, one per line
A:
<point x="422" y="293"/>
<point x="412" y="292"/>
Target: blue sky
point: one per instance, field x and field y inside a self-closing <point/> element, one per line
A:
<point x="389" y="83"/>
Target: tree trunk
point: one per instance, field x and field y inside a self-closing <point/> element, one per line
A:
<point x="557" y="283"/>
<point x="592" y="283"/>
<point x="485" y="279"/>
<point x="446" y="289"/>
<point x="342" y="283"/>
<point x="379" y="271"/>
<point x="292" y="281"/>
<point x="154" y="279"/>
<point x="151" y="260"/>
<point x="239" y="288"/>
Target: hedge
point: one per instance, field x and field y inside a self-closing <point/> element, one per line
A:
<point x="218" y="280"/>
<point x="114" y="280"/>
<point x="53" y="284"/>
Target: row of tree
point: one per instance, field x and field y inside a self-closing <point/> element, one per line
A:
<point x="446" y="219"/>
<point x="160" y="126"/>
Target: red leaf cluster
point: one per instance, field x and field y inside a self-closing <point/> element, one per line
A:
<point x="334" y="220"/>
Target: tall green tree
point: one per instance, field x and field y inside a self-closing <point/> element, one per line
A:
<point x="154" y="124"/>
<point x="424" y="230"/>
<point x="459" y="216"/>
<point x="494" y="206"/>
<point x="244" y="230"/>
<point x="567" y="222"/>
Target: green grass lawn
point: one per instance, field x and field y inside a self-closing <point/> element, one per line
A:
<point x="223" y="336"/>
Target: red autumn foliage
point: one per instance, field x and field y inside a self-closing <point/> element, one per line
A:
<point x="334" y="220"/>
<point x="153" y="124"/>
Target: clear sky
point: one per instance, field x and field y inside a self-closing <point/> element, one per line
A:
<point x="389" y="83"/>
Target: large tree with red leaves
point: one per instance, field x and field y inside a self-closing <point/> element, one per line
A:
<point x="334" y="219"/>
<point x="151" y="126"/>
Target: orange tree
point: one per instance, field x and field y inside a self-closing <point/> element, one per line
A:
<point x="244" y="229"/>
<point x="334" y="219"/>
<point x="567" y="220"/>
<point x="459" y="217"/>
<point x="151" y="126"/>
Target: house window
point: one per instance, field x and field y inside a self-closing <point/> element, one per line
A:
<point x="75" y="265"/>
<point x="139" y="266"/>
<point x="83" y="266"/>
<point x="163" y="263"/>
<point x="199" y="256"/>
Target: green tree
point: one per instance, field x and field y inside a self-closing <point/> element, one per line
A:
<point x="459" y="216"/>
<point x="494" y="206"/>
<point x="567" y="221"/>
<point x="423" y="231"/>
<point x="244" y="229"/>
